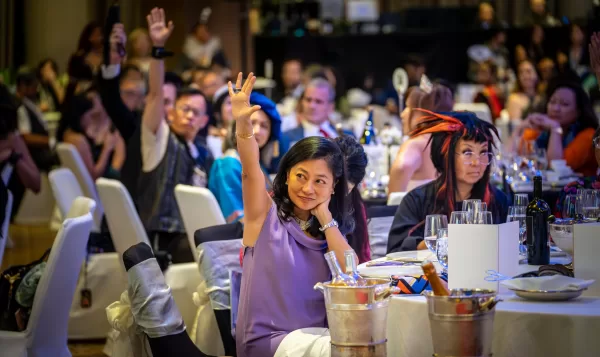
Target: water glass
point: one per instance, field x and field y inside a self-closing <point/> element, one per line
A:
<point x="433" y="223"/>
<point x="570" y="207"/>
<point x="460" y="217"/>
<point x="442" y="253"/>
<point x="518" y="214"/>
<point x="470" y="205"/>
<point x="483" y="217"/>
<point x="590" y="203"/>
<point x="521" y="199"/>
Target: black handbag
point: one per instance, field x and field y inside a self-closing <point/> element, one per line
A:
<point x="9" y="282"/>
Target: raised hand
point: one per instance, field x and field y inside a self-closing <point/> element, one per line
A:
<point x="240" y="101"/>
<point x="157" y="27"/>
<point x="117" y="37"/>
<point x="595" y="53"/>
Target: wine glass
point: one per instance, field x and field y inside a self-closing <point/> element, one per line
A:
<point x="483" y="217"/>
<point x="521" y="199"/>
<point x="589" y="203"/>
<point x="433" y="223"/>
<point x="474" y="207"/>
<point x="469" y="205"/>
<point x="518" y="214"/>
<point x="459" y="217"/>
<point x="442" y="253"/>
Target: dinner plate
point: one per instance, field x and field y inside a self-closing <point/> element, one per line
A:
<point x="542" y="295"/>
<point x="401" y="270"/>
<point x="414" y="254"/>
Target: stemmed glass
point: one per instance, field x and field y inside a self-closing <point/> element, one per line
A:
<point x="483" y="217"/>
<point x="521" y="200"/>
<point x="442" y="253"/>
<point x="570" y="207"/>
<point x="517" y="214"/>
<point x="474" y="207"/>
<point x="433" y="223"/>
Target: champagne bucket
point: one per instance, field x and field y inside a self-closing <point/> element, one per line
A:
<point x="462" y="324"/>
<point x="357" y="317"/>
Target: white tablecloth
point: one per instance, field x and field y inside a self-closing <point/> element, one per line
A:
<point x="521" y="328"/>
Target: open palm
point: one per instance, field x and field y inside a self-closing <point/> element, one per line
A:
<point x="240" y="101"/>
<point x="158" y="28"/>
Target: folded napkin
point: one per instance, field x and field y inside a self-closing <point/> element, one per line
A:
<point x="547" y="283"/>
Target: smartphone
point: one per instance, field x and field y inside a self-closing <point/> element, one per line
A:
<point x="113" y="17"/>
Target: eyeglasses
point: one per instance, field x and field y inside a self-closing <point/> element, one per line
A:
<point x="596" y="142"/>
<point x="469" y="157"/>
<point x="186" y="109"/>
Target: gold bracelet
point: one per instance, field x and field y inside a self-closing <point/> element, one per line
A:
<point x="244" y="136"/>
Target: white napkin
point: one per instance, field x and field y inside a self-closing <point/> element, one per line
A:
<point x="547" y="283"/>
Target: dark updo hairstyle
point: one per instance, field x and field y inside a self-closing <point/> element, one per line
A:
<point x="315" y="148"/>
<point x="356" y="165"/>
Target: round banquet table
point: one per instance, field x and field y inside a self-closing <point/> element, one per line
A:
<point x="521" y="328"/>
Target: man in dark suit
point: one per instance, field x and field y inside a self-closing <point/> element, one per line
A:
<point x="317" y="104"/>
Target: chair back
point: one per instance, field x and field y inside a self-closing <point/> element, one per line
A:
<point x="395" y="198"/>
<point x="65" y="188"/>
<point x="199" y="209"/>
<point x="5" y="224"/>
<point x="47" y="327"/>
<point x="70" y="158"/>
<point x="124" y="224"/>
<point x="480" y="109"/>
<point x="379" y="222"/>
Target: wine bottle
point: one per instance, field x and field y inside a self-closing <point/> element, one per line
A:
<point x="368" y="136"/>
<point x="351" y="268"/>
<point x="537" y="213"/>
<point x="338" y="278"/>
<point x="438" y="287"/>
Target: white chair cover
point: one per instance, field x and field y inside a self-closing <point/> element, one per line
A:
<point x="70" y="158"/>
<point x="395" y="198"/>
<point x="126" y="230"/>
<point x="5" y="224"/>
<point x="65" y="188"/>
<point x="216" y="260"/>
<point x="199" y="209"/>
<point x="480" y="109"/>
<point x="36" y="209"/>
<point x="46" y="333"/>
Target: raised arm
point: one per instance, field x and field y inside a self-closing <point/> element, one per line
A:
<point x="159" y="33"/>
<point x="407" y="161"/>
<point x="254" y="193"/>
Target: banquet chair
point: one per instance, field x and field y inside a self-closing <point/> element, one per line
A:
<point x="103" y="272"/>
<point x="199" y="209"/>
<point x="5" y="224"/>
<point x="36" y="208"/>
<point x="379" y="222"/>
<point x="127" y="230"/>
<point x="217" y="258"/>
<point x="395" y="198"/>
<point x="480" y="109"/>
<point x="70" y="158"/>
<point x="46" y="332"/>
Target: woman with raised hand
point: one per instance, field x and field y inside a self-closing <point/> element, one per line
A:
<point x="286" y="235"/>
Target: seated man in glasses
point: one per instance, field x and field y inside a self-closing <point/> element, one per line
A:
<point x="461" y="151"/>
<point x="172" y="154"/>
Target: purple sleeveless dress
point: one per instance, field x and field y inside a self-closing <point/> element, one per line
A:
<point x="277" y="295"/>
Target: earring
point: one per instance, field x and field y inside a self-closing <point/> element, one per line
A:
<point x="286" y="182"/>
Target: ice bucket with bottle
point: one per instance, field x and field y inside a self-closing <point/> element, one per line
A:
<point x="357" y="317"/>
<point x="462" y="324"/>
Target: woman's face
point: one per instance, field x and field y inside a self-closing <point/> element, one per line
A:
<point x="520" y="54"/>
<point x="537" y="36"/>
<point x="546" y="68"/>
<point x="527" y="75"/>
<point x="226" y="115"/>
<point x="262" y="127"/>
<point x="470" y="161"/>
<point x="484" y="75"/>
<point x="141" y="46"/>
<point x="96" y="38"/>
<point x="562" y="106"/>
<point x="577" y="36"/>
<point x="310" y="183"/>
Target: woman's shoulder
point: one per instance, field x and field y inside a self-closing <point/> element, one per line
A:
<point x="586" y="134"/>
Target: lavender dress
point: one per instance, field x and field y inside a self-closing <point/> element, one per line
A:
<point x="277" y="295"/>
